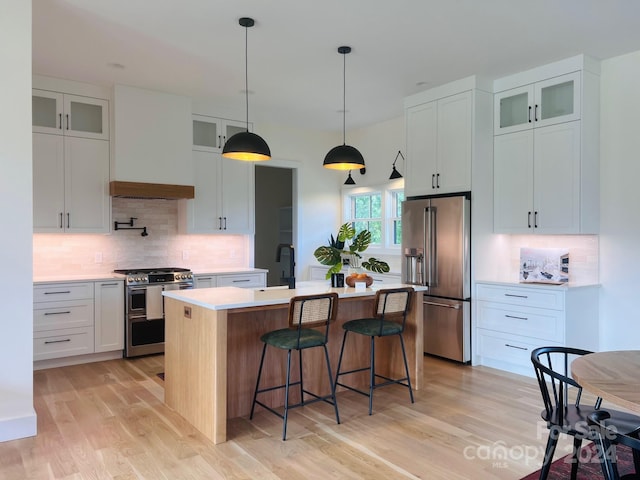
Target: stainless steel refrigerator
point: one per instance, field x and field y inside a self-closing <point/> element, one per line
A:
<point x="436" y="246"/>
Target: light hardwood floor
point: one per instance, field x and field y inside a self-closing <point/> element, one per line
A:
<point x="107" y="420"/>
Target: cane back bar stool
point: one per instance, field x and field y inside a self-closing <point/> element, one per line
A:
<point x="309" y="320"/>
<point x="389" y="318"/>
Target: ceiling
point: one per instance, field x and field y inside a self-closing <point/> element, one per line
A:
<point x="196" y="48"/>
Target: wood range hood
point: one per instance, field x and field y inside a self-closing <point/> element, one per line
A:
<point x="150" y="190"/>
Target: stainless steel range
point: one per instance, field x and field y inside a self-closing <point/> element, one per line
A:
<point x="144" y="306"/>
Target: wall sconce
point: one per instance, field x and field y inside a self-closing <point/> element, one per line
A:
<point x="349" y="180"/>
<point x="395" y="173"/>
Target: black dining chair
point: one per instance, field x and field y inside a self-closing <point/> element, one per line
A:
<point x="309" y="320"/>
<point x="563" y="412"/>
<point x="389" y="318"/>
<point x="607" y="437"/>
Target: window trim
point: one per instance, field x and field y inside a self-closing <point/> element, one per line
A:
<point x="386" y="191"/>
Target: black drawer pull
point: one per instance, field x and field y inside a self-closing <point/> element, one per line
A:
<point x="57" y="293"/>
<point x="243" y="280"/>
<point x="517" y="296"/>
<point x="517" y="318"/>
<point x="515" y="346"/>
<point x="114" y="284"/>
<point x="57" y="341"/>
<point x="58" y="313"/>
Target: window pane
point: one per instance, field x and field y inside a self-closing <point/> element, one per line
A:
<point x="362" y="207"/>
<point x="376" y="232"/>
<point x="397" y="232"/>
<point x="376" y="206"/>
<point x="398" y="198"/>
<point x="360" y="226"/>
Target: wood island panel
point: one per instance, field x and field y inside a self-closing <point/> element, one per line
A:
<point x="212" y="358"/>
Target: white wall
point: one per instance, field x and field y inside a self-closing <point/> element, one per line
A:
<point x="17" y="416"/>
<point x="620" y="216"/>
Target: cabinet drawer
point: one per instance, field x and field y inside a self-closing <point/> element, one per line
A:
<point x="57" y="315"/>
<point x="509" y="349"/>
<point x="65" y="343"/>
<point x="527" y="296"/>
<point x="62" y="291"/>
<point x="244" y="281"/>
<point x="380" y="280"/>
<point x="540" y="323"/>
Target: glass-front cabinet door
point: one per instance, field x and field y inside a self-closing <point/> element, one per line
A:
<point x="211" y="133"/>
<point x="557" y="100"/>
<point x="72" y="115"/>
<point x="513" y="110"/>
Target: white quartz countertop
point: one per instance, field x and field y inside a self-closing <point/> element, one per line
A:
<point x="66" y="278"/>
<point x="224" y="298"/>
<point x="223" y="271"/>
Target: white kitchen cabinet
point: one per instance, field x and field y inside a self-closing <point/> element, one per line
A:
<point x="229" y="279"/>
<point x="514" y="319"/>
<point x="536" y="180"/>
<point x="63" y="320"/>
<point x="546" y="172"/>
<point x="211" y="133"/>
<point x="224" y="196"/>
<point x="109" y="316"/>
<point x="439" y="145"/>
<point x="73" y="115"/>
<point x="70" y="184"/>
<point x="546" y="102"/>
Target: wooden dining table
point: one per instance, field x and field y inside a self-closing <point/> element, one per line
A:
<point x="614" y="376"/>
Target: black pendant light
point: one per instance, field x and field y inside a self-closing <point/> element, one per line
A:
<point x="349" y="180"/>
<point x="344" y="157"/>
<point x="395" y="173"/>
<point x="246" y="146"/>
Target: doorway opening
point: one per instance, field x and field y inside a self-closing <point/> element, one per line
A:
<point x="275" y="221"/>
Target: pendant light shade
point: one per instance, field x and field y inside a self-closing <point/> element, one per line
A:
<point x="344" y="157"/>
<point x="395" y="174"/>
<point x="349" y="180"/>
<point x="246" y="145"/>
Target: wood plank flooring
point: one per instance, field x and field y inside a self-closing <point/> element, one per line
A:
<point x="107" y="420"/>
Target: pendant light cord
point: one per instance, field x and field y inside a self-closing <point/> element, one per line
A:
<point x="344" y="98"/>
<point x="246" y="72"/>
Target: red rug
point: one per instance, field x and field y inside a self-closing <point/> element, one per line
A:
<point x="589" y="468"/>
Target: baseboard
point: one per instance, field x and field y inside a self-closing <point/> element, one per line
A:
<point x="76" y="360"/>
<point x="18" y="419"/>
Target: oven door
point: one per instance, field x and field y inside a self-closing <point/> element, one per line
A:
<point x="137" y="301"/>
<point x="144" y="337"/>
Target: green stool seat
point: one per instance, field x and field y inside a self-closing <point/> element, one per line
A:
<point x="389" y="318"/>
<point x="309" y="320"/>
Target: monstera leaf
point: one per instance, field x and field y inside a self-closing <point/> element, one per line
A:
<point x="328" y="255"/>
<point x="361" y="242"/>
<point x="375" y="265"/>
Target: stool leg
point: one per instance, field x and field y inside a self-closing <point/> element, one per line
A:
<point x="301" y="384"/>
<point x="255" y="393"/>
<point x="344" y="340"/>
<point x="333" y="387"/>
<point x="286" y="396"/>
<point x="406" y="368"/>
<point x="372" y="374"/>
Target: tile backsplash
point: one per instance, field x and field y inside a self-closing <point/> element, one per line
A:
<point x="163" y="247"/>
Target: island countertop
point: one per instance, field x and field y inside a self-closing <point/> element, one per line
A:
<point x="226" y="298"/>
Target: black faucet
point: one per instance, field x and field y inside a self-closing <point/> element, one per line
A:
<point x="291" y="279"/>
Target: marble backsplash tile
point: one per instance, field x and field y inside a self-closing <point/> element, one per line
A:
<point x="163" y="247"/>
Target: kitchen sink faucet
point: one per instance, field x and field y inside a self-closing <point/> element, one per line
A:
<point x="291" y="279"/>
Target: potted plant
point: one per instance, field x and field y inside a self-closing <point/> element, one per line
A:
<point x="348" y="244"/>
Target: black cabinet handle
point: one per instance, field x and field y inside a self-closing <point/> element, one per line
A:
<point x="433" y="179"/>
<point x="225" y="223"/>
<point x="57" y="341"/>
<point x="57" y="293"/>
<point x="244" y="280"/>
<point x="219" y="141"/>
<point x="528" y="219"/>
<point x="516" y="296"/>
<point x="68" y="220"/>
<point x="535" y="116"/>
<point x="219" y="223"/>
<point x="437" y="180"/>
<point x="58" y="313"/>
<point x="60" y="219"/>
<point x="515" y="346"/>
<point x="535" y="220"/>
<point x="516" y="318"/>
<point x="529" y="113"/>
<point x="67" y="115"/>
<point x="60" y="121"/>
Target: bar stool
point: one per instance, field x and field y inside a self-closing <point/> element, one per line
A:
<point x="389" y="318"/>
<point x="307" y="314"/>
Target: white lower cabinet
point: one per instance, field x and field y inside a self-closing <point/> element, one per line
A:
<point x="109" y="316"/>
<point x="514" y="319"/>
<point x="72" y="319"/>
<point x="240" y="279"/>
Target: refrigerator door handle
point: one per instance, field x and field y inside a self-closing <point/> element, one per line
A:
<point x="432" y="266"/>
<point x="436" y="304"/>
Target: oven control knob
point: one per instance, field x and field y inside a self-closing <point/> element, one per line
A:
<point x="131" y="279"/>
<point x="189" y="276"/>
<point x="179" y="277"/>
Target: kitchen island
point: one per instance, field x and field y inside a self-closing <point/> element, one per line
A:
<point x="213" y="347"/>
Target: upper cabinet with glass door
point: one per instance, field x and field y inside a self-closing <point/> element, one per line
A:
<point x="73" y="115"/>
<point x="211" y="133"/>
<point x="548" y="102"/>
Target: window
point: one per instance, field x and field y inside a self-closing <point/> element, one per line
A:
<point x="377" y="209"/>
